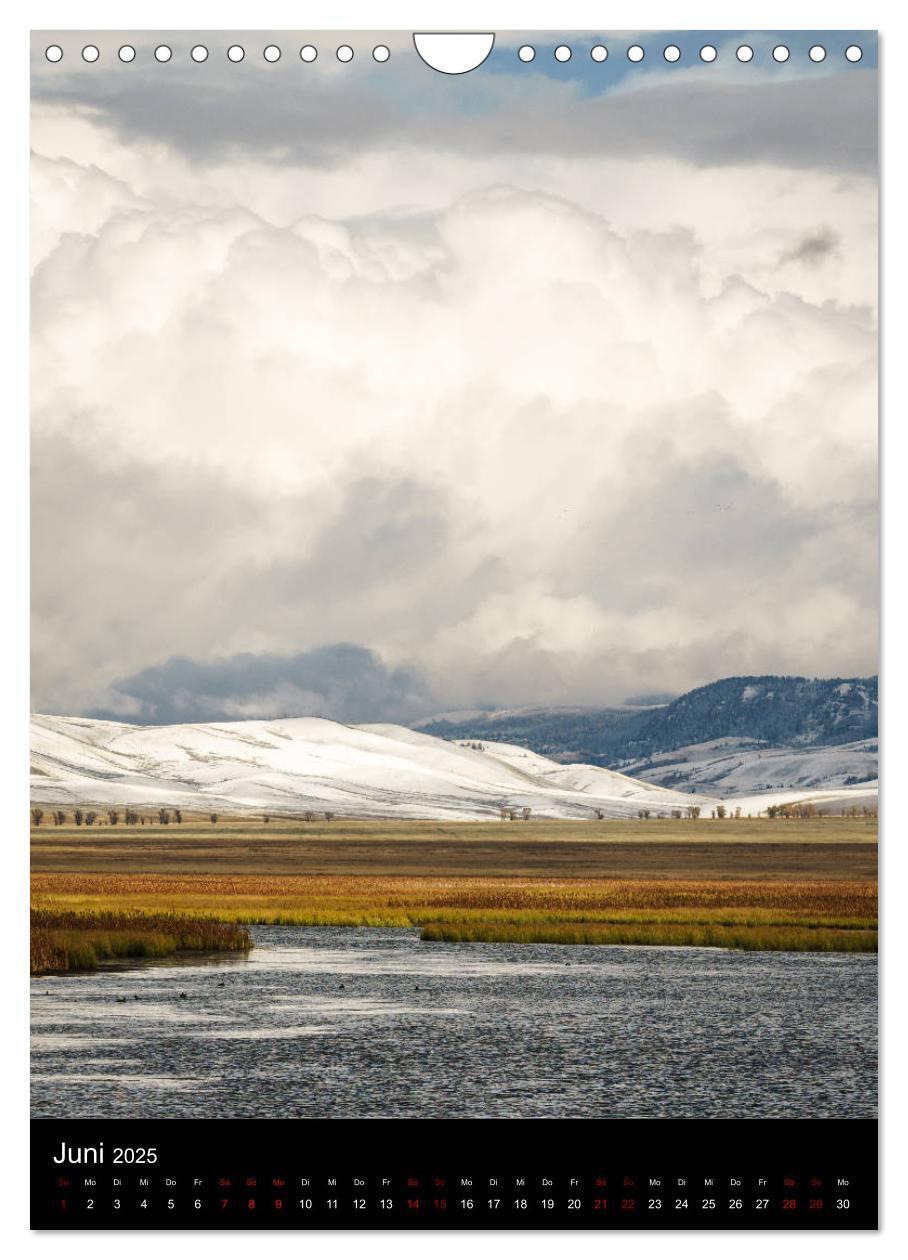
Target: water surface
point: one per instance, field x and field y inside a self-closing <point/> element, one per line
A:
<point x="370" y="1022"/>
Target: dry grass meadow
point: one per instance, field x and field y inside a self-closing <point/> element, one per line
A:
<point x="745" y="884"/>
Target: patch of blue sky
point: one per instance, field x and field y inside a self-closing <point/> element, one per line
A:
<point x="591" y="78"/>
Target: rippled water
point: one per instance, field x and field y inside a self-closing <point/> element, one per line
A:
<point x="371" y="1022"/>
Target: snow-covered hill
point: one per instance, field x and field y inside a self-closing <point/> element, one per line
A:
<point x="724" y="767"/>
<point x="309" y="763"/>
<point x="296" y="764"/>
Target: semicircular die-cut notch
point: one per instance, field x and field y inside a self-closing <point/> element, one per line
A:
<point x="454" y="52"/>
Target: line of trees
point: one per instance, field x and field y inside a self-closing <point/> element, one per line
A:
<point x="88" y="817"/>
<point x="689" y="811"/>
<point x="507" y="813"/>
<point x="807" y="809"/>
<point x="163" y="817"/>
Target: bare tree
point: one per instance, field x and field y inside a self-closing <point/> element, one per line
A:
<point x="600" y="814"/>
<point x="676" y="813"/>
<point x="90" y="818"/>
<point x="113" y="817"/>
<point x="525" y="813"/>
<point x="178" y="815"/>
<point x="59" y="818"/>
<point x="37" y="815"/>
<point x="266" y="818"/>
<point x="643" y="813"/>
<point x="130" y="817"/>
<point x="212" y="818"/>
<point x="309" y="816"/>
<point x="503" y="814"/>
<point x="693" y="811"/>
<point x="77" y="817"/>
<point x="721" y="811"/>
<point x="163" y="817"/>
<point x="329" y="815"/>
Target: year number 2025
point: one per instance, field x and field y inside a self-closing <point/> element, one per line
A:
<point x="135" y="1155"/>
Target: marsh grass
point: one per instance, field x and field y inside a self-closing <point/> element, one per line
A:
<point x="73" y="941"/>
<point x="717" y="935"/>
<point x="747" y="914"/>
<point x="397" y="901"/>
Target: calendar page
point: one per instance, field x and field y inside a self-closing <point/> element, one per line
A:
<point x="454" y="630"/>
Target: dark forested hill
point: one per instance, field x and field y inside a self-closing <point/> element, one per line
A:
<point x="799" y="712"/>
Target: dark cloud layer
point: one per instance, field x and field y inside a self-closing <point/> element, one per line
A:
<point x="340" y="681"/>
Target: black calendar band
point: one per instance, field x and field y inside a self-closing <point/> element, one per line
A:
<point x="456" y="1174"/>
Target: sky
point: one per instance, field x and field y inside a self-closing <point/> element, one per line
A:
<point x="364" y="391"/>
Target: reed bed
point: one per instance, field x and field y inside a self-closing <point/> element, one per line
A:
<point x="715" y="935"/>
<point x="351" y="895"/>
<point x="74" y="941"/>
<point x="746" y="914"/>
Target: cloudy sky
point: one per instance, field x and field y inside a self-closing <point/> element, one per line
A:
<point x="367" y="391"/>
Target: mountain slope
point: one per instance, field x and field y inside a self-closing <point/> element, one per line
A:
<point x="802" y="712"/>
<point x="730" y="766"/>
<point x="564" y="734"/>
<point x="311" y="763"/>
<point x="770" y="711"/>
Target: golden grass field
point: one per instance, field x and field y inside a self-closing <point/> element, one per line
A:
<point x="748" y="884"/>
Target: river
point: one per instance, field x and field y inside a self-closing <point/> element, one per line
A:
<point x="369" y="1022"/>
